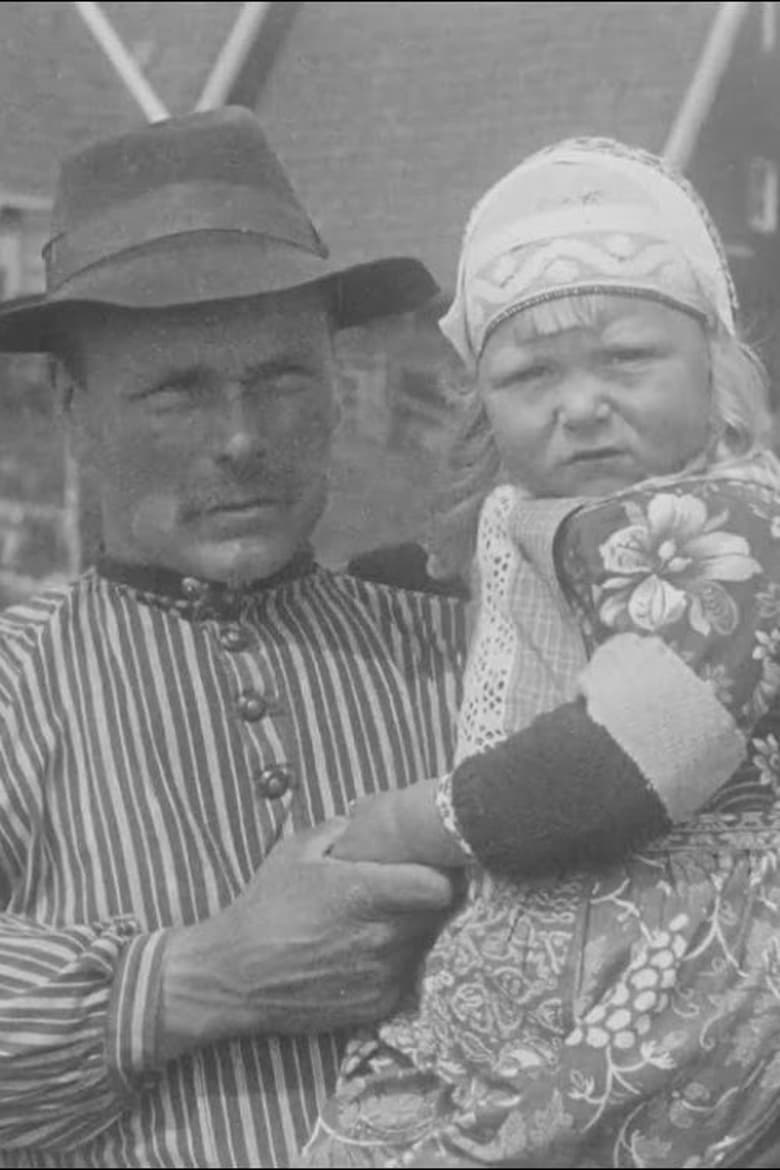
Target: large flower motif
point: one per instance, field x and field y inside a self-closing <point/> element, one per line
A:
<point x="669" y="561"/>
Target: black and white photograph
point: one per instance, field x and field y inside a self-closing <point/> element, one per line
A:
<point x="390" y="585"/>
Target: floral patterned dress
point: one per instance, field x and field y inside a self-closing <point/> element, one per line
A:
<point x="629" y="1014"/>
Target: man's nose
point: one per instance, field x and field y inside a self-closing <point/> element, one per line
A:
<point x="583" y="402"/>
<point x="244" y="438"/>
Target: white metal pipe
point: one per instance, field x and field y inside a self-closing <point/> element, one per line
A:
<point x="232" y="56"/>
<point x="712" y="65"/>
<point x="154" y="111"/>
<point x="122" y="60"/>
<point x="72" y="514"/>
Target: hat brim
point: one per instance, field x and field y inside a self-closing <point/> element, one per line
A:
<point x="191" y="270"/>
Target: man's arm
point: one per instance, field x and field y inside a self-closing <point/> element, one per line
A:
<point x="60" y="1076"/>
<point x="312" y="944"/>
<point x="90" y="1014"/>
<point x="61" y="1067"/>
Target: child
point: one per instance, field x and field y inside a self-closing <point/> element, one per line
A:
<point x="609" y="992"/>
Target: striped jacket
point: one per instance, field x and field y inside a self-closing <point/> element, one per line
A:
<point x="152" y="750"/>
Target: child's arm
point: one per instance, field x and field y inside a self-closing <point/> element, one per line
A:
<point x="642" y="748"/>
<point x="680" y="597"/>
<point x="678" y="592"/>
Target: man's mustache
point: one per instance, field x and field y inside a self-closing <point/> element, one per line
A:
<point x="240" y="492"/>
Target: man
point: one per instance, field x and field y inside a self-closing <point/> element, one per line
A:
<point x="175" y="965"/>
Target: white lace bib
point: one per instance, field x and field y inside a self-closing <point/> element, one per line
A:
<point x="527" y="650"/>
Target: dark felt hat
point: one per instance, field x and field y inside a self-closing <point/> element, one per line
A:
<point x="189" y="210"/>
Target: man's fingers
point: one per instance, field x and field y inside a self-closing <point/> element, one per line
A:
<point x="316" y="842"/>
<point x="382" y="888"/>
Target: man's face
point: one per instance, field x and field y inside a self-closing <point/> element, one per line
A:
<point x="209" y="431"/>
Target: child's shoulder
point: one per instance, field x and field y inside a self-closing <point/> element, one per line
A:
<point x="404" y="566"/>
<point x="743" y="492"/>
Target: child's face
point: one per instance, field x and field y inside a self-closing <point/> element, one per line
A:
<point x="591" y="409"/>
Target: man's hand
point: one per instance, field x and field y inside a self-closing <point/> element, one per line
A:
<point x="312" y="944"/>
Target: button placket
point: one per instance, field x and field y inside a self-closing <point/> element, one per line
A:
<point x="194" y="589"/>
<point x="275" y="781"/>
<point x="234" y="638"/>
<point x="252" y="706"/>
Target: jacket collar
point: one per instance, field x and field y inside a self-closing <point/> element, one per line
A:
<point x="195" y="597"/>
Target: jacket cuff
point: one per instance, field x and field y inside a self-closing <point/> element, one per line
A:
<point x="134" y="1010"/>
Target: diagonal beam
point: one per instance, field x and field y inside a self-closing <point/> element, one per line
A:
<point x="712" y="65"/>
<point x="81" y="514"/>
<point x="249" y="83"/>
<point x="122" y="60"/>
<point x="232" y="57"/>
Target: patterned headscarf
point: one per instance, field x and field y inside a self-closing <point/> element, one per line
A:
<point x="586" y="216"/>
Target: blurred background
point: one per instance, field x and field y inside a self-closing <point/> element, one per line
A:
<point x="392" y="118"/>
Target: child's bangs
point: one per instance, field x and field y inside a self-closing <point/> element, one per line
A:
<point x="566" y="312"/>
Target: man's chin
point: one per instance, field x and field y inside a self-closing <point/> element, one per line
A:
<point x="235" y="562"/>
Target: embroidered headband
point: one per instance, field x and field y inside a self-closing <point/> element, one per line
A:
<point x="586" y="216"/>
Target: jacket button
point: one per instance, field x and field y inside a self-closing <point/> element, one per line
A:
<point x="274" y="781"/>
<point x="233" y="638"/>
<point x="252" y="706"/>
<point x="193" y="589"/>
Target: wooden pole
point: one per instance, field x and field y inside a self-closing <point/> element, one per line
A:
<point x="122" y="61"/>
<point x="712" y="65"/>
<point x="233" y="55"/>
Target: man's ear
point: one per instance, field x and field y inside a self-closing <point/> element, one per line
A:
<point x="69" y="406"/>
<point x="337" y="412"/>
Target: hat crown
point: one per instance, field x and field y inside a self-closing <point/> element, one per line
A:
<point x="174" y="174"/>
<point x="185" y="212"/>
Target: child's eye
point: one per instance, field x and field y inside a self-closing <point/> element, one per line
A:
<point x="530" y="374"/>
<point x="628" y="355"/>
<point x="521" y="377"/>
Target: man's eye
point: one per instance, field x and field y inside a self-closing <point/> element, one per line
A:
<point x="293" y="382"/>
<point x="285" y="382"/>
<point x="166" y="398"/>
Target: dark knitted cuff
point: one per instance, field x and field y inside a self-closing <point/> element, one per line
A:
<point x="558" y="795"/>
<point x="646" y="746"/>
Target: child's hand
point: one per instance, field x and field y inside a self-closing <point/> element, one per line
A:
<point x="373" y="832"/>
<point x="399" y="826"/>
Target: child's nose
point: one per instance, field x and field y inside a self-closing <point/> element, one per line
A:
<point x="583" y="401"/>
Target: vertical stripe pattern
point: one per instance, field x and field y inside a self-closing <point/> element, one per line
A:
<point x="116" y="718"/>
